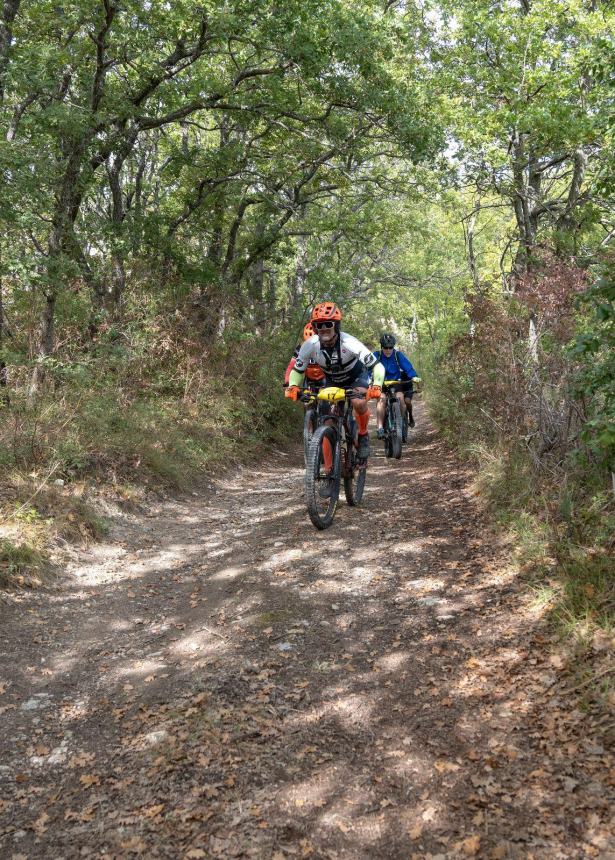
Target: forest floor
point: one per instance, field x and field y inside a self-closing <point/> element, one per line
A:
<point x="219" y="679"/>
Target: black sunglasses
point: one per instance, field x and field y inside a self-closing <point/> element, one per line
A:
<point x="318" y="325"/>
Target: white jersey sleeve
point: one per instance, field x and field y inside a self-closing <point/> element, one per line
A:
<point x="308" y="351"/>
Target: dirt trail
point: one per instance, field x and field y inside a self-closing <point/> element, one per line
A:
<point x="222" y="680"/>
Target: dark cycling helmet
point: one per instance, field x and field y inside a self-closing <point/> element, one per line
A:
<point x="387" y="341"/>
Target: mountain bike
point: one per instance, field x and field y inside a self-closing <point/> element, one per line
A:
<point x="393" y="425"/>
<point x="338" y="430"/>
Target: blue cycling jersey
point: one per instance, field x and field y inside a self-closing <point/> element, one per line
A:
<point x="396" y="366"/>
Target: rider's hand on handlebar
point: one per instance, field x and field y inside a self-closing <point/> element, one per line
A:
<point x="416" y="379"/>
<point x="292" y="392"/>
<point x="373" y="392"/>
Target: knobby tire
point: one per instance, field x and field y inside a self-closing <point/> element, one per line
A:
<point x="321" y="510"/>
<point x="395" y="430"/>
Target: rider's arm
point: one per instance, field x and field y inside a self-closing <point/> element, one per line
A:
<point x="378" y="374"/>
<point x="296" y="378"/>
<point x="291" y="364"/>
<point x="303" y="357"/>
<point x="406" y="364"/>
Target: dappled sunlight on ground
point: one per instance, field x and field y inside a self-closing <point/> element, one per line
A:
<point x="246" y="686"/>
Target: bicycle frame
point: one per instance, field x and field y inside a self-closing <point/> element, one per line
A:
<point x="336" y="431"/>
<point x="341" y="417"/>
<point x="392" y="428"/>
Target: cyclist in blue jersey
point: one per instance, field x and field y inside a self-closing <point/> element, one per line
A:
<point x="396" y="366"/>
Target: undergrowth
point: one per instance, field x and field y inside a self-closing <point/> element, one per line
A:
<point x="541" y="483"/>
<point x="20" y="564"/>
<point x="127" y="416"/>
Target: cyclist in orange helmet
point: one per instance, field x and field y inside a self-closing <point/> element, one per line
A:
<point x="345" y="361"/>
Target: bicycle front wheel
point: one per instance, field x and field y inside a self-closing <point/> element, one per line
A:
<point x="395" y="430"/>
<point x="389" y="429"/>
<point x="322" y="488"/>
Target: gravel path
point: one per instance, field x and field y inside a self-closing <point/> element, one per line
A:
<point x="222" y="680"/>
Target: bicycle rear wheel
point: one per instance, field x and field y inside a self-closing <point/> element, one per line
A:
<point x="322" y="490"/>
<point x="395" y="430"/>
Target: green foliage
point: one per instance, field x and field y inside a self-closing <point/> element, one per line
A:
<point x="19" y="563"/>
<point x="594" y="348"/>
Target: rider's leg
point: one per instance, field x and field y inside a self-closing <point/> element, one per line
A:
<point x="326" y="489"/>
<point x="361" y="414"/>
<point x="380" y="409"/>
<point x="402" y="404"/>
<point x="327" y="454"/>
<point x="327" y="451"/>
<point x="408" y="401"/>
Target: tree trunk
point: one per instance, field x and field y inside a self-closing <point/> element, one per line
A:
<point x="414" y="330"/>
<point x="118" y="281"/>
<point x="300" y="276"/>
<point x="46" y="344"/>
<point x="532" y="339"/>
<point x="469" y="237"/>
<point x="521" y="204"/>
<point x="4" y="395"/>
<point x="118" y="214"/>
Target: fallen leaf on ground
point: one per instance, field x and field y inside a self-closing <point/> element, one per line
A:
<point x="40" y="825"/>
<point x="136" y="845"/>
<point x="81" y="759"/>
<point x="89" y="779"/>
<point x="470" y="846"/>
<point x="446" y="766"/>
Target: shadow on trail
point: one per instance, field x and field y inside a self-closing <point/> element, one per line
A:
<point x="250" y="687"/>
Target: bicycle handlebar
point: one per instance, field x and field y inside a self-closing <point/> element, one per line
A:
<point x="306" y="395"/>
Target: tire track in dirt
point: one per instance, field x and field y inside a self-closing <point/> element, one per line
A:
<point x="225" y="681"/>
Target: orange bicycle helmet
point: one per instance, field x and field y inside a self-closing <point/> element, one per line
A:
<point x="326" y="311"/>
<point x="308" y="331"/>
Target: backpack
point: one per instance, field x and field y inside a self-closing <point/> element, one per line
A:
<point x="402" y="373"/>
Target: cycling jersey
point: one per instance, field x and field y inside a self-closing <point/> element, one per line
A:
<point x="314" y="374"/>
<point x="342" y="362"/>
<point x="396" y="366"/>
